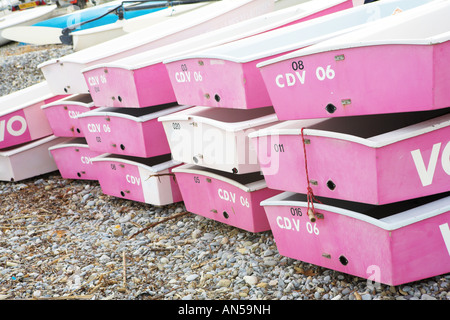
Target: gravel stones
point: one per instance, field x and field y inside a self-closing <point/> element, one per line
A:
<point x="65" y="239"/>
<point x="64" y="249"/>
<point x="19" y="63"/>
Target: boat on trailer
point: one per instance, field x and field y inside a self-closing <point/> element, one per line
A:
<point x="229" y="74"/>
<point x="398" y="64"/>
<point x="64" y="74"/>
<point x="141" y="80"/>
<point x="391" y="244"/>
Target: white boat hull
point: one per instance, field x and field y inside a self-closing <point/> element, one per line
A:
<point x="24" y="18"/>
<point x="64" y="74"/>
<point x="28" y="160"/>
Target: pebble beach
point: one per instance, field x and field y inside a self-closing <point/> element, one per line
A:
<point x="66" y="240"/>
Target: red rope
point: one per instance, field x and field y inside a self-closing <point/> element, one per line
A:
<point x="310" y="194"/>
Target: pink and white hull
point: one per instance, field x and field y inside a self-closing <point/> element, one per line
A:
<point x="127" y="131"/>
<point x="376" y="159"/>
<point x="397" y="64"/>
<point x="74" y="159"/>
<point x="147" y="180"/>
<point x="391" y="244"/>
<point x="227" y="76"/>
<point x="21" y="117"/>
<point x="224" y="197"/>
<point x="62" y="115"/>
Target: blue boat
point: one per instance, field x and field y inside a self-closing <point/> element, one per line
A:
<point x="58" y="29"/>
<point x="82" y="18"/>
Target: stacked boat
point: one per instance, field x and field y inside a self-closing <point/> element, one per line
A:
<point x="325" y="122"/>
<point x="221" y="177"/>
<point x="25" y="134"/>
<point x="122" y="144"/>
<point x="93" y="25"/>
<point x="363" y="149"/>
<point x="128" y="95"/>
<point x="360" y="151"/>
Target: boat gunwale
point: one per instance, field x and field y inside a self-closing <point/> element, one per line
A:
<point x="44" y="10"/>
<point x="107" y="112"/>
<point x="165" y="165"/>
<point x="377" y="141"/>
<point x="129" y="63"/>
<point x="70" y="144"/>
<point x="46" y="95"/>
<point x="66" y="101"/>
<point x="227" y="126"/>
<point x="28" y="145"/>
<point x="336" y="44"/>
<point x="80" y="56"/>
<point x="327" y="20"/>
<point x="389" y="223"/>
<point x="249" y="187"/>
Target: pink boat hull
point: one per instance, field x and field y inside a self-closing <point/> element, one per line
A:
<point x="150" y="85"/>
<point x="118" y="87"/>
<point x="74" y="160"/>
<point x="222" y="83"/>
<point x="350" y="244"/>
<point x="218" y="83"/>
<point x="127" y="178"/>
<point x="216" y="199"/>
<point x="26" y="124"/>
<point x="360" y="81"/>
<point x="110" y="132"/>
<point x="65" y="74"/>
<point x="351" y="170"/>
<point x="63" y="116"/>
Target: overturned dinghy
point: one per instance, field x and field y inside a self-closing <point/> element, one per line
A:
<point x="391" y="244"/>
<point x="21" y="117"/>
<point x="63" y="114"/>
<point x="64" y="74"/>
<point x="226" y="75"/>
<point x="225" y="197"/>
<point x="141" y="80"/>
<point x="73" y="158"/>
<point x="375" y="159"/>
<point x="399" y="64"/>
<point x="216" y="138"/>
<point x="28" y="160"/>
<point x="148" y="180"/>
<point x="127" y="131"/>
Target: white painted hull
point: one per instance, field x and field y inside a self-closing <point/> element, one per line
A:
<point x="28" y="160"/>
<point x="64" y="74"/>
<point x="24" y="18"/>
<point x="87" y="38"/>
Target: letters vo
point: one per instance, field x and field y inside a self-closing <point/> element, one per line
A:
<point x="14" y="126"/>
<point x="426" y="173"/>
